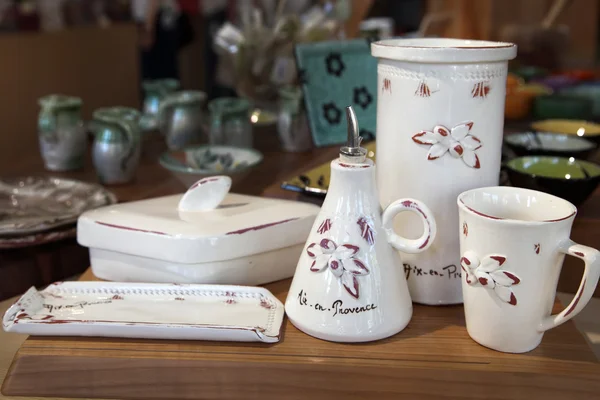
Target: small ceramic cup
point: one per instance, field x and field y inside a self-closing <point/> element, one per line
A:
<point x="512" y="243"/>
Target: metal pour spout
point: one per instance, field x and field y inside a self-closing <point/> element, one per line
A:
<point x="352" y="152"/>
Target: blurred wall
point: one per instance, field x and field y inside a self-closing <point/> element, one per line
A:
<point x="489" y="19"/>
<point x="100" y="65"/>
<point x="191" y="58"/>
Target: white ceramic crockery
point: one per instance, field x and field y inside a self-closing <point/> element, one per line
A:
<point x="206" y="235"/>
<point x="349" y="284"/>
<point x="440" y="116"/>
<point x="513" y="242"/>
<point x="150" y="311"/>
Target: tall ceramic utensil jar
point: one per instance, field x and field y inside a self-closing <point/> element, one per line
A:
<point x="181" y="118"/>
<point x="61" y="133"/>
<point x="440" y="116"/>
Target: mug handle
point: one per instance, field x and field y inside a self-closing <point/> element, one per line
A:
<point x="591" y="273"/>
<point x="403" y="244"/>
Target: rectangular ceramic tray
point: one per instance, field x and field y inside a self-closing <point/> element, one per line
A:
<point x="150" y="311"/>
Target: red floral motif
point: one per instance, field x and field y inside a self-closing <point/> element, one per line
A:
<point x="341" y="262"/>
<point x="325" y="226"/>
<point x="537" y="248"/>
<point x="457" y="141"/>
<point x="264" y="303"/>
<point x="423" y="90"/>
<point x="39" y="317"/>
<point x="231" y="299"/>
<point x="465" y="229"/>
<point x="488" y="274"/>
<point x="387" y="85"/>
<point x="481" y="89"/>
<point x="365" y="230"/>
<point x="203" y="181"/>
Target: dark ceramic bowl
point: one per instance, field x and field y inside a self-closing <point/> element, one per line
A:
<point x="194" y="163"/>
<point x="585" y="129"/>
<point x="562" y="106"/>
<point x="589" y="90"/>
<point x="568" y="178"/>
<point x="549" y="144"/>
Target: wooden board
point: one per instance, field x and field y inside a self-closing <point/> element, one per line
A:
<point x="433" y="358"/>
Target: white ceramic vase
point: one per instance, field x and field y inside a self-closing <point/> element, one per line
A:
<point x="440" y="116"/>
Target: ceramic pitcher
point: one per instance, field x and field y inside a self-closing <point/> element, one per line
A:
<point x="154" y="92"/>
<point x="230" y="122"/>
<point x="349" y="284"/>
<point x="116" y="150"/>
<point x="181" y="118"/>
<point x="440" y="116"/>
<point x="61" y="132"/>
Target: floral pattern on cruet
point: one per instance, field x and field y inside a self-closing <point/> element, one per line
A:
<point x="341" y="261"/>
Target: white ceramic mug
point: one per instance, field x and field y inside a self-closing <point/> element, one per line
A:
<point x="513" y="242"/>
<point x="440" y="116"/>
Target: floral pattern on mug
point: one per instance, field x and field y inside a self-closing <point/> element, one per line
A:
<point x="457" y="141"/>
<point x="488" y="274"/>
<point x="341" y="262"/>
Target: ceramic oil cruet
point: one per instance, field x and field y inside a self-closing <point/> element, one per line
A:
<point x="61" y="133"/>
<point x="349" y="284"/>
<point x="116" y="150"/>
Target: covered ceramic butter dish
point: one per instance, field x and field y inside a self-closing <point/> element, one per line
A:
<point x="206" y="235"/>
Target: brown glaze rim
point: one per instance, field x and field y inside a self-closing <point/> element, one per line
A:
<point x="505" y="45"/>
<point x="447" y="47"/>
<point x="508" y="219"/>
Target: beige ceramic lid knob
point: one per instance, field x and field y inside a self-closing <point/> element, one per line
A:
<point x="206" y="194"/>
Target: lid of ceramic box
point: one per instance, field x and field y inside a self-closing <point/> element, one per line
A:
<point x="199" y="226"/>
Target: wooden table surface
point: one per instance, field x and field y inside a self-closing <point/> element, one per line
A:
<point x="433" y="358"/>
